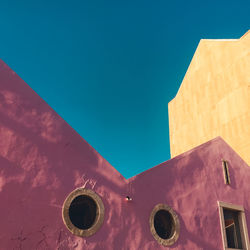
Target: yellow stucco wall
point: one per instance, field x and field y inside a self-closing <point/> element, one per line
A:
<point x="214" y="98"/>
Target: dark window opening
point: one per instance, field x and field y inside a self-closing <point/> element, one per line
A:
<point x="232" y="228"/>
<point x="82" y="212"/>
<point x="226" y="172"/>
<point x="164" y="224"/>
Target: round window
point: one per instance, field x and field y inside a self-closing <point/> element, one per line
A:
<point x="83" y="212"/>
<point x="164" y="225"/>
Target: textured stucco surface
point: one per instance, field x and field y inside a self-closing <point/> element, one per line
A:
<point x="43" y="159"/>
<point x="214" y="98"/>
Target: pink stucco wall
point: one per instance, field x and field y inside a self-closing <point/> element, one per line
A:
<point x="42" y="159"/>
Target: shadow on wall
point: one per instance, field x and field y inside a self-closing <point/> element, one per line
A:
<point x="43" y="159"/>
<point x="183" y="184"/>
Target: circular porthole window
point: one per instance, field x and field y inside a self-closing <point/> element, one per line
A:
<point x="164" y="225"/>
<point x="83" y="212"/>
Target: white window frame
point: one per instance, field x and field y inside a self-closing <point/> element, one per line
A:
<point x="242" y="222"/>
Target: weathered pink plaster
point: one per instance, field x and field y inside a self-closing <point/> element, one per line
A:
<point x="42" y="159"/>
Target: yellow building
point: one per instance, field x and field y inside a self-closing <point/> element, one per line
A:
<point x="214" y="98"/>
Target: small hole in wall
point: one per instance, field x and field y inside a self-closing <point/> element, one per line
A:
<point x="128" y="198"/>
<point x="82" y="212"/>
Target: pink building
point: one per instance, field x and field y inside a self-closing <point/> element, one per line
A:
<point x="57" y="192"/>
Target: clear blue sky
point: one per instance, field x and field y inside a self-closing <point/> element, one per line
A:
<point x="109" y="68"/>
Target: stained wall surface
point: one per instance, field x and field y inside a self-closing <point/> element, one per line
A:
<point x="42" y="160"/>
<point x="214" y="98"/>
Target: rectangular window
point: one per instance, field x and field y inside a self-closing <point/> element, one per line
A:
<point x="233" y="226"/>
<point x="226" y="172"/>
